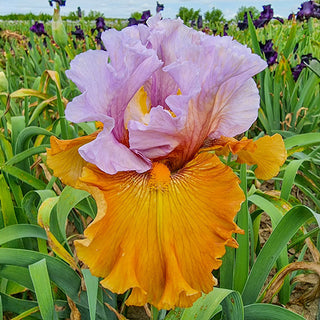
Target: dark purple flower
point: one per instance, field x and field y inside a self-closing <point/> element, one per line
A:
<point x="78" y="33"/>
<point x="159" y="7"/>
<point x="242" y="25"/>
<point x="100" y="24"/>
<point x="79" y="12"/>
<point x="265" y="17"/>
<point x="305" y="59"/>
<point x="132" y="22"/>
<point x="99" y="41"/>
<point x="192" y="24"/>
<point x="60" y="2"/>
<point x="225" y="29"/>
<point x="38" y="29"/>
<point x="270" y="54"/>
<point x="267" y="12"/>
<point x="144" y="17"/>
<point x="308" y="9"/>
<point x="199" y="22"/>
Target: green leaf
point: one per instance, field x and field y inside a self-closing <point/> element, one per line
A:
<point x="19" y="231"/>
<point x="304" y="139"/>
<point x="16" y="305"/>
<point x="26" y="134"/>
<point x="17" y="274"/>
<point x="242" y="253"/>
<point x="92" y="291"/>
<point x="291" y="41"/>
<point x="277" y="241"/>
<point x="31" y="202"/>
<point x="289" y="176"/>
<point x="7" y="208"/>
<point x="253" y="33"/>
<point x="41" y="282"/>
<point x="27" y="153"/>
<point x="24" y="176"/>
<point x="262" y="311"/>
<point x="1" y="309"/>
<point x="60" y="273"/>
<point x="209" y="304"/>
<point x="68" y="199"/>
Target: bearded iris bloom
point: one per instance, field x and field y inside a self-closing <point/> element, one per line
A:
<point x="308" y="9"/>
<point x="38" y="29"/>
<point x="167" y="97"/>
<point x="270" y="54"/>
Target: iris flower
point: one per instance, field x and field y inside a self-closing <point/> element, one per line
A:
<point x="159" y="7"/>
<point x="38" y="29"/>
<point x="270" y="54"/>
<point x="144" y="17"/>
<point x="78" y="33"/>
<point x="308" y="9"/>
<point x="168" y="98"/>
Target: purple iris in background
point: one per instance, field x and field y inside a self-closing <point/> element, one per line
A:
<point x="79" y="12"/>
<point x="270" y="54"/>
<point x="100" y="25"/>
<point x="242" y="25"/>
<point x="225" y="29"/>
<point x="99" y="41"/>
<point x="78" y="33"/>
<point x="38" y="29"/>
<point x="60" y="2"/>
<point x="159" y="7"/>
<point x="265" y="17"/>
<point x="199" y="22"/>
<point x="308" y="9"/>
<point x="144" y="17"/>
<point x="305" y="59"/>
<point x="267" y="12"/>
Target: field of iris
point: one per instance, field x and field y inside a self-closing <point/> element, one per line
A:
<point x="40" y="217"/>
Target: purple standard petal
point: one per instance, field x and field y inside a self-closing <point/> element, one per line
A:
<point x="108" y="80"/>
<point x="111" y="156"/>
<point x="267" y="12"/>
<point x="38" y="29"/>
<point x="213" y="76"/>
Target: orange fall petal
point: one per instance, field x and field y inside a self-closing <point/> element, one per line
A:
<point x="159" y="233"/>
<point x="65" y="161"/>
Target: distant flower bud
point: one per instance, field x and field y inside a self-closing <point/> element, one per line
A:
<point x="58" y="30"/>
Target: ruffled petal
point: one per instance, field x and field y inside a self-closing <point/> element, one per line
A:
<point x="159" y="233"/>
<point x="65" y="161"/>
<point x="218" y="95"/>
<point x="111" y="156"/>
<point x="156" y="138"/>
<point x="268" y="153"/>
<point x="108" y="80"/>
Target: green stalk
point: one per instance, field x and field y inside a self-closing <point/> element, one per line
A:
<point x="243" y="252"/>
<point x="63" y="121"/>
